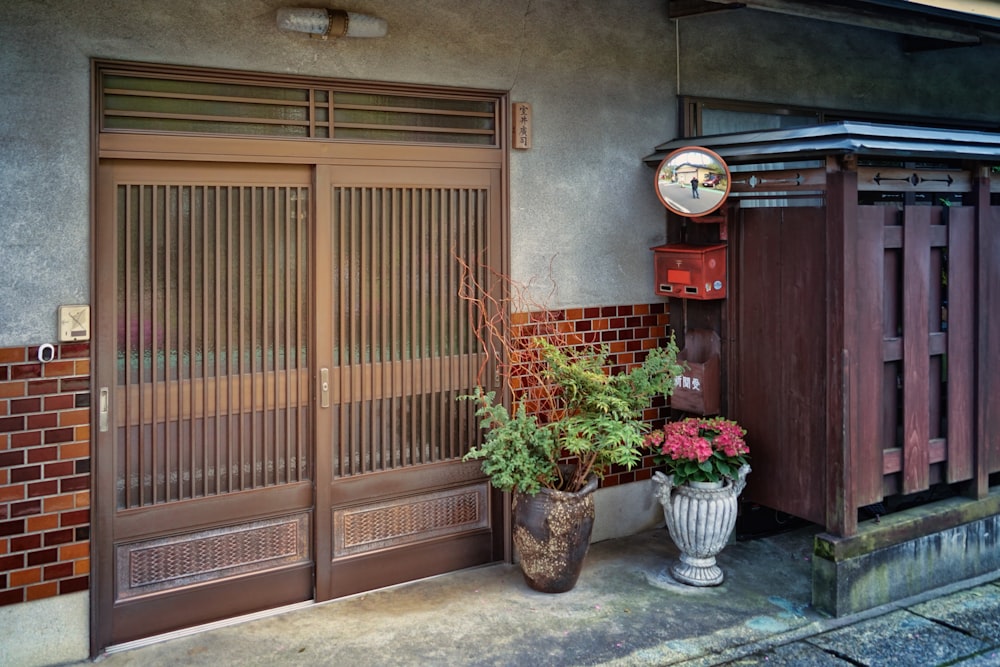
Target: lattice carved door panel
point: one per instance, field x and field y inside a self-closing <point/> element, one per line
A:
<point x="206" y="437"/>
<point x="396" y="348"/>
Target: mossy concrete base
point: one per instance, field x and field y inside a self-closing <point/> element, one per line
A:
<point x="908" y="553"/>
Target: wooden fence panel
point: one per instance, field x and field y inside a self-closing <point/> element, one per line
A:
<point x="989" y="331"/>
<point x="960" y="372"/>
<point x="916" y="393"/>
<point x="867" y="300"/>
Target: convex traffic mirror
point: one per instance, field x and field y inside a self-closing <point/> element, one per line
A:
<point x="692" y="181"/>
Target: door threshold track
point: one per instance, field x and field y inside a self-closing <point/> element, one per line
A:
<point x="214" y="625"/>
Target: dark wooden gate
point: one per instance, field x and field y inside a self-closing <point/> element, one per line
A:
<point x="864" y="348"/>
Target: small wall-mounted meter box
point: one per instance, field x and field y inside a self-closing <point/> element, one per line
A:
<point x="690" y="271"/>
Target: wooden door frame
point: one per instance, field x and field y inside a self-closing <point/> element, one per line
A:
<point x="212" y="149"/>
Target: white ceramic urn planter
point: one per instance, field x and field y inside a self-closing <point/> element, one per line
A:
<point x="700" y="517"/>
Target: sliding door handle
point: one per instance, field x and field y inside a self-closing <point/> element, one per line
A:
<point x="103" y="409"/>
<point x="324" y="387"/>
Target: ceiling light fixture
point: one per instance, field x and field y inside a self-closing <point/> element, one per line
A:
<point x="326" y="23"/>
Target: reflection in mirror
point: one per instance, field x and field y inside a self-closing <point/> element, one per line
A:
<point x="692" y="181"/>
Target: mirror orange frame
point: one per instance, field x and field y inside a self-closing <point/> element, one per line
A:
<point x="692" y="181"/>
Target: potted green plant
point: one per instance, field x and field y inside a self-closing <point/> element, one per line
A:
<point x="582" y="413"/>
<point x="707" y="461"/>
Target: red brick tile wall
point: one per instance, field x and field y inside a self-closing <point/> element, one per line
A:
<point x="44" y="472"/>
<point x="45" y="444"/>
<point x="629" y="332"/>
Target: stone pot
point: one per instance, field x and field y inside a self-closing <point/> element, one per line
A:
<point x="552" y="534"/>
<point x="700" y="517"/>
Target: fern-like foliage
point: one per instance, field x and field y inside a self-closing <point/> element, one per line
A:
<point x="594" y="416"/>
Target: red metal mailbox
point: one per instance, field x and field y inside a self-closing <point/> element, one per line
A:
<point x="690" y="271"/>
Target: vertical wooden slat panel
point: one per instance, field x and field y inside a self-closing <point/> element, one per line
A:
<point x="173" y="353"/>
<point x="988" y="441"/>
<point x="219" y="318"/>
<point x="429" y="439"/>
<point x="232" y="328"/>
<point x="434" y="324"/>
<point x="385" y="359"/>
<point x="368" y="333"/>
<point x="338" y="324"/>
<point x="410" y="326"/>
<point x="255" y="224"/>
<point x="305" y="464"/>
<point x="185" y="351"/>
<point x="289" y="314"/>
<point x="205" y="348"/>
<point x="368" y="436"/>
<point x="350" y="319"/>
<point x="133" y="290"/>
<point x="396" y="317"/>
<point x="398" y="308"/>
<point x="206" y="288"/>
<point x="154" y="462"/>
<point x="868" y="290"/>
<point x="451" y="348"/>
<point x="189" y="297"/>
<point x="961" y="356"/>
<point x="420" y="309"/>
<point x="354" y="346"/>
<point x="760" y="256"/>
<point x="273" y="457"/>
<point x="241" y="217"/>
<point x="916" y="275"/>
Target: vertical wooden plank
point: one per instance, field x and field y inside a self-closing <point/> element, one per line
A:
<point x="759" y="239"/>
<point x="207" y="348"/>
<point x="153" y="463"/>
<point x="361" y="223"/>
<point x="410" y="310"/>
<point x="256" y="222"/>
<point x="988" y="349"/>
<point x="424" y="307"/>
<point x="433" y="388"/>
<point x="305" y="315"/>
<point x="321" y="249"/>
<point x="864" y="330"/>
<point x="780" y="325"/>
<point x="236" y="436"/>
<point x="132" y="274"/>
<point x="916" y="396"/>
<point x="220" y="319"/>
<point x="385" y="342"/>
<point x="961" y="371"/>
<point x="289" y="306"/>
<point x="233" y="360"/>
<point x="802" y="345"/>
<point x="841" y="217"/>
<point x="186" y="302"/>
<point x="269" y="340"/>
<point x="396" y="328"/>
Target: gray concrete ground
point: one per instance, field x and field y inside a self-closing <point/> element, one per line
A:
<point x="625" y="610"/>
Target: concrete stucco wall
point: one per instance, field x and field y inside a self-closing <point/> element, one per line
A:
<point x="601" y="76"/>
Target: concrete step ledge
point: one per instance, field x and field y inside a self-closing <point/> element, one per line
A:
<point x="906" y="554"/>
